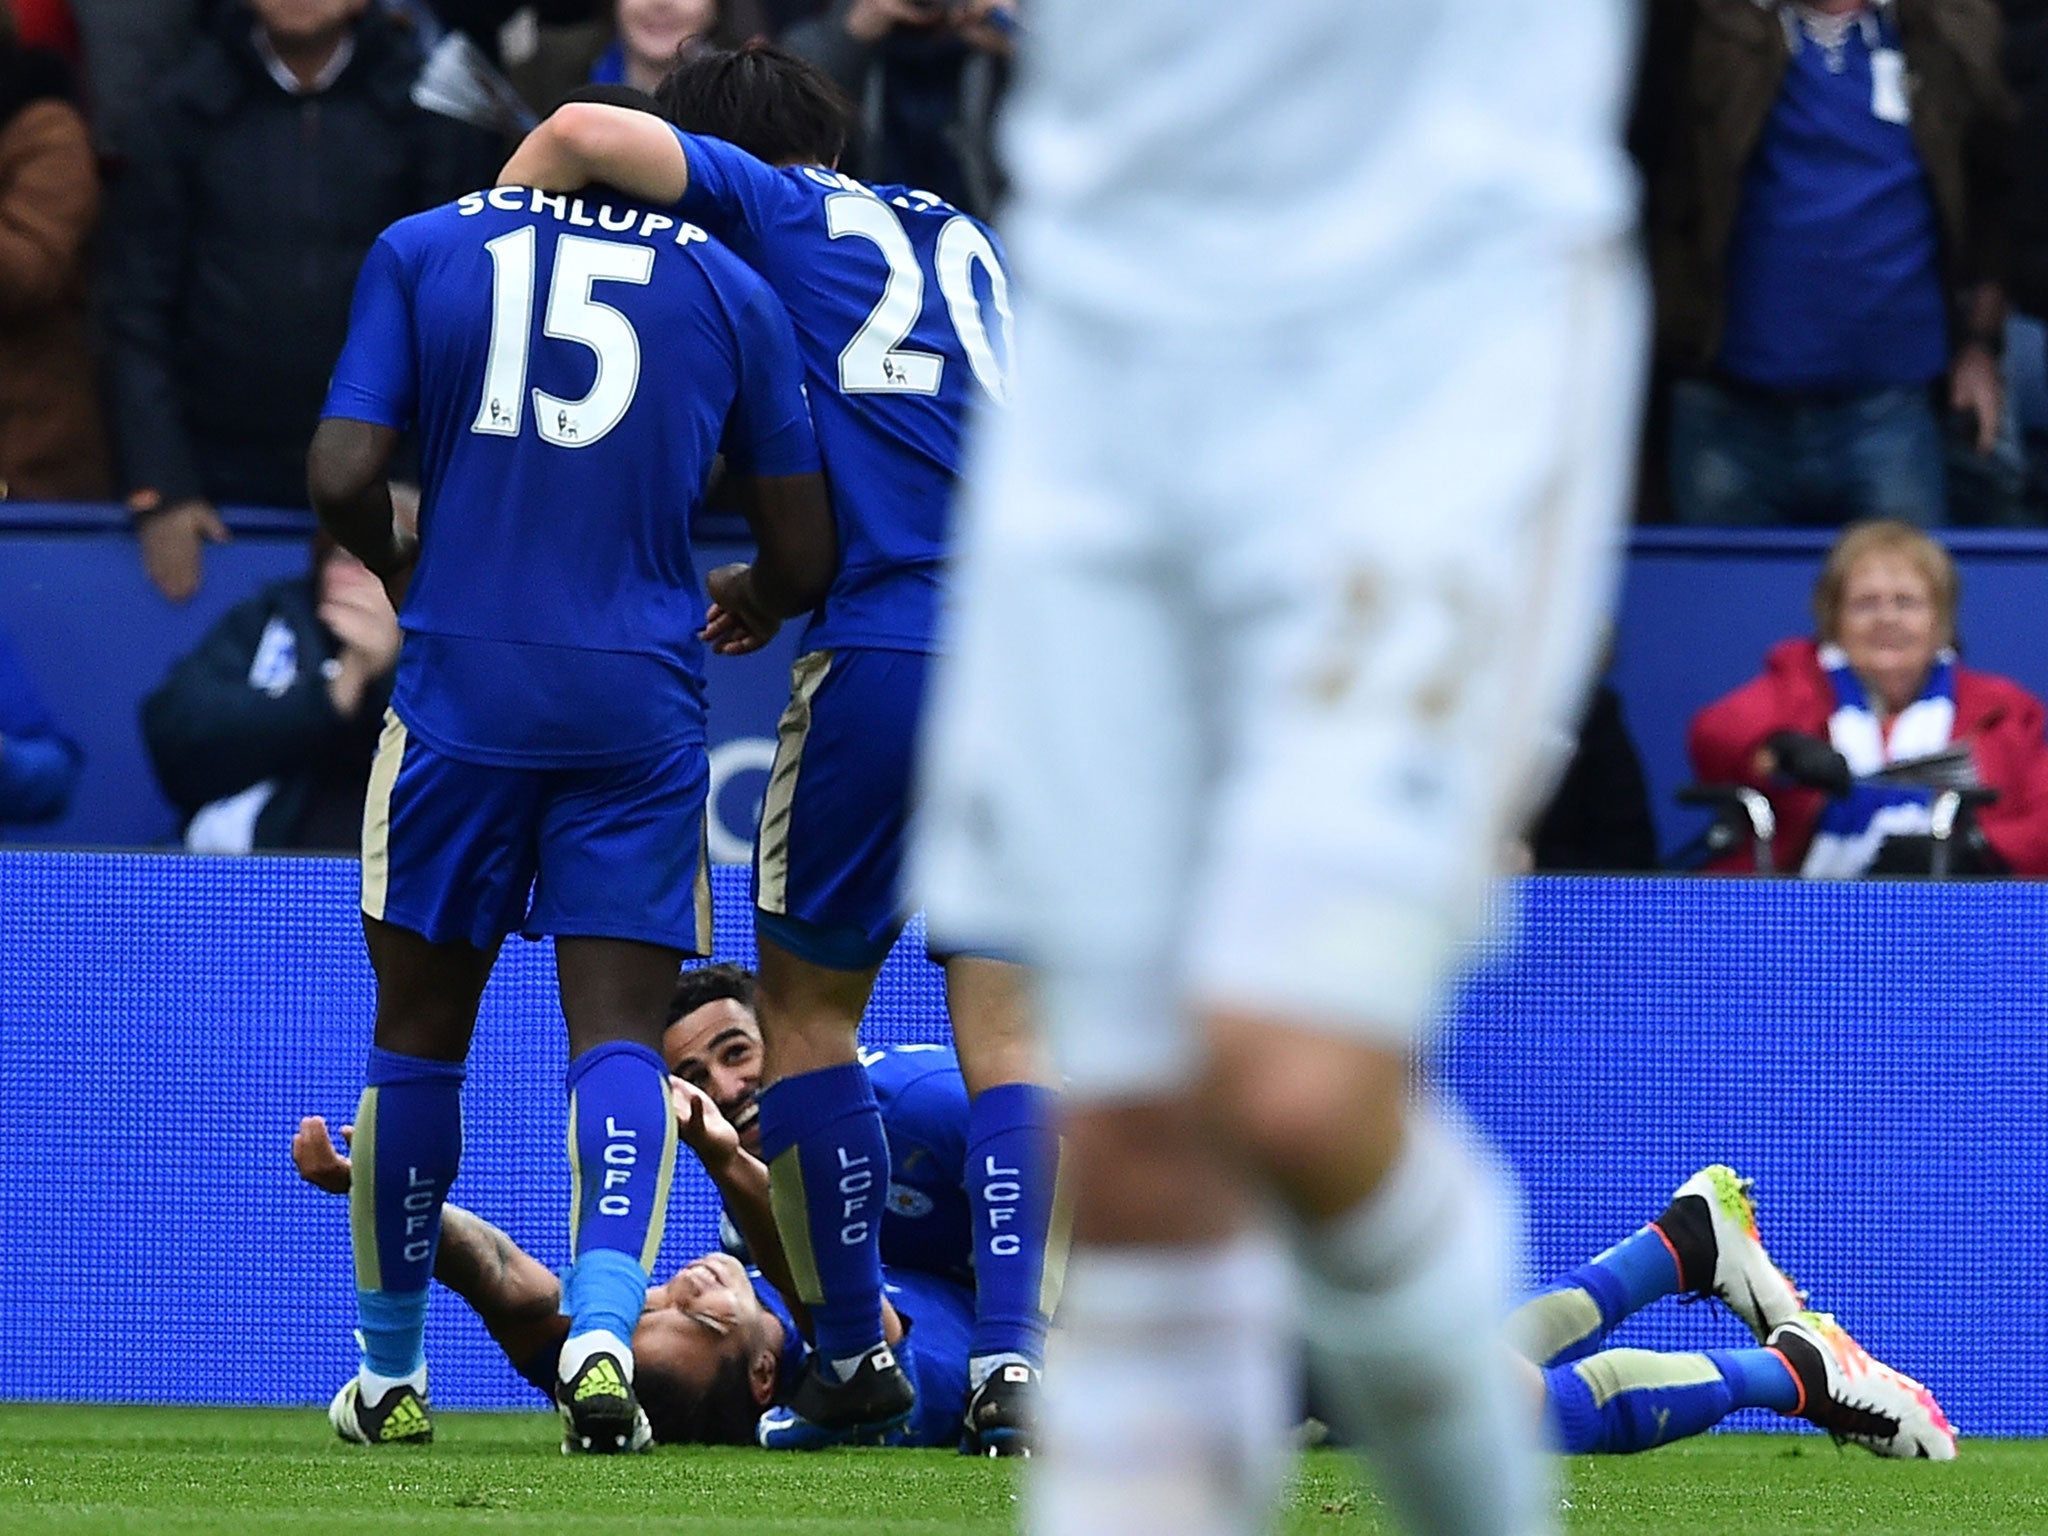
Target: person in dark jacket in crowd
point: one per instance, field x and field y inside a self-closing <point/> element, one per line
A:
<point x="263" y="735"/>
<point x="52" y="447"/>
<point x="927" y="76"/>
<point x="39" y="764"/>
<point x="1826" y="210"/>
<point x="1599" y="820"/>
<point x="280" y="148"/>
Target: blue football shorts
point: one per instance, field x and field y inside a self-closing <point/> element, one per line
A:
<point x="828" y="859"/>
<point x="459" y="851"/>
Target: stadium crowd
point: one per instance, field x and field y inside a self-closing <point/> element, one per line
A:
<point x="1829" y="221"/>
<point x="1846" y="215"/>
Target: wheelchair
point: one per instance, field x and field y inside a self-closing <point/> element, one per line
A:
<point x="1951" y="849"/>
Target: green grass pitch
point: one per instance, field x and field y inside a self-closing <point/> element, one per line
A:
<point x="79" y="1469"/>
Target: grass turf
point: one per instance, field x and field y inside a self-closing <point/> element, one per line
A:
<point x="80" y="1469"/>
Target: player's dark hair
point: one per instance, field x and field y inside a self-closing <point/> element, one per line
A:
<point x="615" y="96"/>
<point x="774" y="105"/>
<point x="724" y="1413"/>
<point x="709" y="984"/>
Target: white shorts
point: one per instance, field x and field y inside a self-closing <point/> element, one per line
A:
<point x="1259" y="644"/>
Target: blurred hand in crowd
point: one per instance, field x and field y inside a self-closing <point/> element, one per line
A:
<point x="985" y="24"/>
<point x="869" y="21"/>
<point x="173" y="544"/>
<point x="356" y="610"/>
<point x="990" y="25"/>
<point x="1977" y="388"/>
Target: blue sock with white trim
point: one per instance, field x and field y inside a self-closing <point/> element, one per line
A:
<point x="1569" y="1318"/>
<point x="408" y="1146"/>
<point x="1013" y="1152"/>
<point x="828" y="1178"/>
<point x="622" y="1157"/>
<point x="1621" y="1401"/>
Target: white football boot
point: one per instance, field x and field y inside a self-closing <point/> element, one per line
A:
<point x="1856" y="1397"/>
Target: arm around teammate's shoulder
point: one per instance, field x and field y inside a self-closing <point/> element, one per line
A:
<point x="586" y="141"/>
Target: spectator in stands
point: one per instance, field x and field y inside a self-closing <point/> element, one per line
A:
<point x="1880" y="686"/>
<point x="1599" y="820"/>
<point x="2026" y="71"/>
<point x="1826" y="185"/>
<point x="278" y="151"/>
<point x="39" y="765"/>
<point x="51" y="444"/>
<point x="650" y="36"/>
<point x="129" y="47"/>
<point x="263" y="735"/>
<point x="927" y="76"/>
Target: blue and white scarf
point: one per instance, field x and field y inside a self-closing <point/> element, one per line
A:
<point x="1851" y="828"/>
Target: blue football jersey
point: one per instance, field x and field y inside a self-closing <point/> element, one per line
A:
<point x="902" y="313"/>
<point x="927" y="1223"/>
<point x="939" y="1314"/>
<point x="571" y="366"/>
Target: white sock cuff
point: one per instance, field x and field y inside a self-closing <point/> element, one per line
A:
<point x="580" y="1347"/>
<point x="374" y="1388"/>
<point x="1439" y="1188"/>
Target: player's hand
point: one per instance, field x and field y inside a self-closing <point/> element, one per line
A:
<point x="396" y="574"/>
<point x="172" y="544"/>
<point x="315" y="1156"/>
<point x="736" y="624"/>
<point x="702" y="1125"/>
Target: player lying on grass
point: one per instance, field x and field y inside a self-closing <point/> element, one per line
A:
<point x="1618" y="1401"/>
<point x="717" y="1343"/>
<point x="714" y="1049"/>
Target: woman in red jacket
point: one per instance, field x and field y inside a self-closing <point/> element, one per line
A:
<point x="1880" y="686"/>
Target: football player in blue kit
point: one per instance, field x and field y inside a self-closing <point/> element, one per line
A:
<point x="715" y="1344"/>
<point x="570" y="367"/>
<point x="713" y="1050"/>
<point x="901" y="309"/>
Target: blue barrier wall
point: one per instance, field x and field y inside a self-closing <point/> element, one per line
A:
<point x="1698" y="610"/>
<point x="1873" y="1054"/>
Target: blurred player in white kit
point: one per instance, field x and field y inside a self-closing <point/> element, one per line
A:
<point x="1280" y="574"/>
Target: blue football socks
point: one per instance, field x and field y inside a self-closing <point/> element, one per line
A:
<point x="408" y="1145"/>
<point x="1019" y="1261"/>
<point x="828" y="1178"/>
<point x="1627" y="1400"/>
<point x="622" y="1158"/>
<point x="1619" y="1283"/>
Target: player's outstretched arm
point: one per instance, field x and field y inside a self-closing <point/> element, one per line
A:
<point x="586" y="141"/>
<point x="517" y="1296"/>
<point x="346" y="477"/>
<point x="742" y="1179"/>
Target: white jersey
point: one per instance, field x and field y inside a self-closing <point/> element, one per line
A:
<point x="1288" y="561"/>
<point x="1188" y="162"/>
